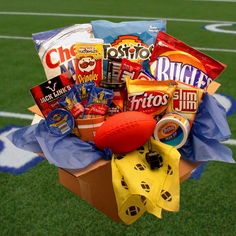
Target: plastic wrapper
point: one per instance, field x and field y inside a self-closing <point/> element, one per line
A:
<point x="37" y="138"/>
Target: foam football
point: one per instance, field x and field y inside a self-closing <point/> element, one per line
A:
<point x="125" y="131"/>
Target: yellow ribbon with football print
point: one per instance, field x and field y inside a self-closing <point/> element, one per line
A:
<point x="138" y="188"/>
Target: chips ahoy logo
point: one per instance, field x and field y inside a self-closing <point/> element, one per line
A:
<point x="128" y="46"/>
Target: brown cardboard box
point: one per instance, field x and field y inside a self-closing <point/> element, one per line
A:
<point x="94" y="184"/>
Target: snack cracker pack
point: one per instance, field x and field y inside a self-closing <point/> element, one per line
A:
<point x="172" y="59"/>
<point x="56" y="48"/>
<point x="132" y="40"/>
<point x="185" y="101"/>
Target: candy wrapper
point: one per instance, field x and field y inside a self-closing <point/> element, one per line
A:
<point x="84" y="90"/>
<point x="99" y="101"/>
<point x="129" y="68"/>
<point x="72" y="102"/>
<point x="132" y="40"/>
<point x="172" y="59"/>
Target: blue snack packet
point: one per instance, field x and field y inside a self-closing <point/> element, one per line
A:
<point x="132" y="40"/>
<point x="72" y="102"/>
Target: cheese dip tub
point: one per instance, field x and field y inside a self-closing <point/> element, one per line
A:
<point x="172" y="129"/>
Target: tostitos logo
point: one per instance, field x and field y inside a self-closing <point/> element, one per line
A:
<point x="180" y="66"/>
<point x="128" y="46"/>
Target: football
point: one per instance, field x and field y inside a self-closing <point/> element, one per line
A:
<point x="125" y="132"/>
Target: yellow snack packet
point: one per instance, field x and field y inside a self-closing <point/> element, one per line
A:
<point x="151" y="97"/>
<point x="185" y="101"/>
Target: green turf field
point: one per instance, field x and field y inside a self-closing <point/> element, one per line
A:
<point x="35" y="203"/>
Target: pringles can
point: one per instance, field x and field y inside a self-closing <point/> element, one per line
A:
<point x="89" y="61"/>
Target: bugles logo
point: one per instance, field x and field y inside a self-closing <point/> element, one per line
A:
<point x="128" y="46"/>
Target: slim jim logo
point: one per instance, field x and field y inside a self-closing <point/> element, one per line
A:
<point x="185" y="100"/>
<point x="127" y="46"/>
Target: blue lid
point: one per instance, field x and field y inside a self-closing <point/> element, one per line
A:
<point x="60" y="122"/>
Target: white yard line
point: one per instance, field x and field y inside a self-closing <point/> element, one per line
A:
<point x="230" y="142"/>
<point x="15" y="37"/>
<point x="214" y="0"/>
<point x="16" y="115"/>
<point x="199" y="48"/>
<point x="109" y="16"/>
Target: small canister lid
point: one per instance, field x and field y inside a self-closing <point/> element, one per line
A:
<point x="60" y="122"/>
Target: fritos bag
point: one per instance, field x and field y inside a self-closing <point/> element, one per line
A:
<point x="151" y="97"/>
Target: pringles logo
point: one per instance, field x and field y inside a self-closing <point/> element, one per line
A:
<point x="128" y="46"/>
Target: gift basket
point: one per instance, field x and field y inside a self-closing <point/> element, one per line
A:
<point x="126" y="113"/>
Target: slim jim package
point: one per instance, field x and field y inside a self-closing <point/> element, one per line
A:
<point x="89" y="61"/>
<point x="172" y="59"/>
<point x="185" y="101"/>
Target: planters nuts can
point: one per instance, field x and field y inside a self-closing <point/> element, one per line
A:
<point x="172" y="129"/>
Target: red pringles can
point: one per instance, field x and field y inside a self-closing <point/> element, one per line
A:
<point x="89" y="61"/>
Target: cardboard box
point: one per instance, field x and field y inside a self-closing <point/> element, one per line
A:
<point x="94" y="184"/>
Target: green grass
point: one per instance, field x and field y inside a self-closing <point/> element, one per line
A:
<point x="34" y="203"/>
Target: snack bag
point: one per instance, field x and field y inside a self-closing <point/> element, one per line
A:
<point x="151" y="97"/>
<point x="129" y="68"/>
<point x="185" y="101"/>
<point x="172" y="59"/>
<point x="56" y="48"/>
<point x="145" y="75"/>
<point x="84" y="90"/>
<point x="72" y="102"/>
<point x="132" y="40"/>
<point x="89" y="61"/>
<point x="99" y="101"/>
<point x="47" y="94"/>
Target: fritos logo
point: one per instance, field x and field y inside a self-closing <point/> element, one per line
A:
<point x="148" y="102"/>
<point x="185" y="100"/>
<point x="128" y="46"/>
